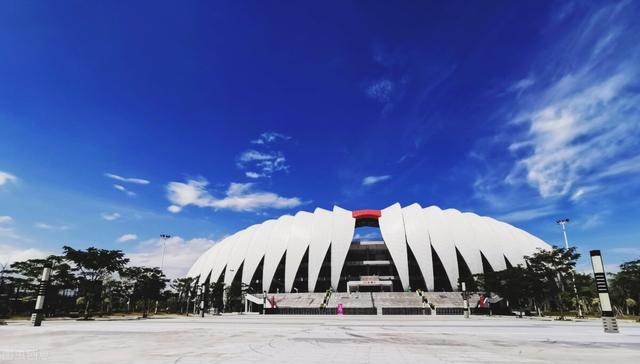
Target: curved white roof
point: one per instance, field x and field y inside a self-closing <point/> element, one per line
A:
<point x="420" y="231"/>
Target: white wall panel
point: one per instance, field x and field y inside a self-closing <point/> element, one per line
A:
<point x="442" y="242"/>
<point x="393" y="234"/>
<point x="343" y="225"/>
<point x="486" y="241"/>
<point x="298" y="243"/>
<point x="276" y="246"/>
<point x="320" y="241"/>
<point x="255" y="251"/>
<point x="465" y="240"/>
<point x="418" y="240"/>
<point x="238" y="253"/>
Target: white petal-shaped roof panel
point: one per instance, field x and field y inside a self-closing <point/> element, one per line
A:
<point x="275" y="249"/>
<point x="510" y="248"/>
<point x="321" y="228"/>
<point x="393" y="234"/>
<point x="296" y="247"/>
<point x="423" y="231"/>
<point x="255" y="251"/>
<point x="208" y="258"/>
<point x="442" y="241"/>
<point x="343" y="225"/>
<point x="486" y="241"/>
<point x="418" y="241"/>
<point x="222" y="256"/>
<point x="465" y="240"/>
<point x="238" y="253"/>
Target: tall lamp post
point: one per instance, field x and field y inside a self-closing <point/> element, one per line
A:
<point x="563" y="223"/>
<point x="164" y="238"/>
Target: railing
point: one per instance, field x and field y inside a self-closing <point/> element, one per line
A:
<point x="449" y="311"/>
<point x="406" y="310"/>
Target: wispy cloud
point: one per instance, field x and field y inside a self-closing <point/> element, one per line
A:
<point x="41" y="225"/>
<point x="270" y="137"/>
<point x="137" y="181"/>
<point x="521" y="85"/>
<point x="381" y="90"/>
<point x="110" y="216"/>
<point x="127" y="237"/>
<point x="261" y="161"/>
<point x="238" y="197"/>
<point x="576" y="131"/>
<point x="124" y="189"/>
<point x="6" y="178"/>
<point x="528" y="214"/>
<point x="371" y="180"/>
<point x="5" y="219"/>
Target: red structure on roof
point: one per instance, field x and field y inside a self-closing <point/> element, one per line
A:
<point x="366" y="214"/>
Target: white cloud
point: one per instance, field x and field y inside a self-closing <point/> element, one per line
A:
<point x="6" y="177"/>
<point x="370" y="180"/>
<point x="253" y="174"/>
<point x="381" y="90"/>
<point x="110" y="216"/>
<point x="124" y="189"/>
<point x="179" y="255"/>
<point x="529" y="214"/>
<point x="584" y="124"/>
<point x="238" y="197"/>
<point x="44" y="226"/>
<point x="263" y="164"/>
<point x="138" y="181"/>
<point x="522" y="85"/>
<point x="266" y="163"/>
<point x="10" y="253"/>
<point x="580" y="192"/>
<point x="580" y="130"/>
<point x="5" y="219"/>
<point x="269" y="137"/>
<point x="127" y="237"/>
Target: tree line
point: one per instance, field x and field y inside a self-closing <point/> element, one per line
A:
<point x="548" y="283"/>
<point x="89" y="282"/>
<point x="101" y="282"/>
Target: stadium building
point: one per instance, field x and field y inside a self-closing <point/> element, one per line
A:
<point x="418" y="248"/>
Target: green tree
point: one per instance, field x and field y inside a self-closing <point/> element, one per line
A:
<point x="513" y="284"/>
<point x="148" y="284"/>
<point x="183" y="287"/>
<point x="93" y="266"/>
<point x="626" y="284"/>
<point x="551" y="272"/>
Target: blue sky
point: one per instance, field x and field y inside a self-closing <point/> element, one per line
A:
<point x="196" y="120"/>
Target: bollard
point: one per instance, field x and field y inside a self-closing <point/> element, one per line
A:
<point x="36" y="316"/>
<point x="608" y="318"/>
<point x="465" y="296"/>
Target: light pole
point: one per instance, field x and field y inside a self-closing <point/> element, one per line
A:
<point x="563" y="223"/>
<point x="164" y="238"/>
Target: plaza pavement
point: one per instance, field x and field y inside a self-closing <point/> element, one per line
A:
<point x="319" y="339"/>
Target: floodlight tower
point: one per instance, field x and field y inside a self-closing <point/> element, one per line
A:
<point x="563" y="223"/>
<point x="164" y="238"/>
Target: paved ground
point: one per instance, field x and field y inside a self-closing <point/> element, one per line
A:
<point x="308" y="339"/>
